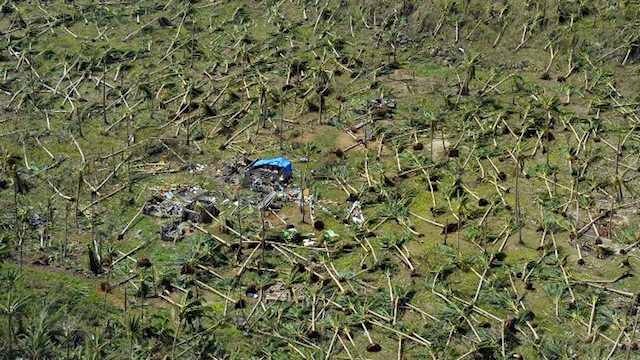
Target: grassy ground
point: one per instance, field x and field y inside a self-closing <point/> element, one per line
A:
<point x="553" y="84"/>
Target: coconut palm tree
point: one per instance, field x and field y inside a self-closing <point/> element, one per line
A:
<point x="433" y="119"/>
<point x="190" y="314"/>
<point x="20" y="186"/>
<point x="132" y="325"/>
<point x="12" y="309"/>
<point x="94" y="345"/>
<point x="396" y="207"/>
<point x="550" y="106"/>
<point x="321" y="86"/>
<point x="38" y="335"/>
<point x="468" y="67"/>
<point x="68" y="331"/>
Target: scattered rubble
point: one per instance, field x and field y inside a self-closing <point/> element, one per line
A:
<point x="280" y="292"/>
<point x="182" y="205"/>
<point x="380" y="108"/>
<point x="232" y="171"/>
<point x="36" y="221"/>
<point x="174" y="231"/>
<point x="196" y="168"/>
<point x="264" y="181"/>
<point x="187" y="203"/>
<point x="270" y="186"/>
<point x="355" y="215"/>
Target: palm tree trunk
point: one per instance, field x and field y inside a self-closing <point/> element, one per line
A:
<point x="65" y="246"/>
<point x="175" y="338"/>
<point x="321" y="109"/>
<point x="10" y="332"/>
<point x="78" y="198"/>
<point x="303" y="184"/>
<point x="433" y="130"/>
<point x="518" y="201"/>
<point x="104" y="92"/>
<point x="15" y="213"/>
<point x="458" y="233"/>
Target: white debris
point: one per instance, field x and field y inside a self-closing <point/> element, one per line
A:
<point x="355" y="213"/>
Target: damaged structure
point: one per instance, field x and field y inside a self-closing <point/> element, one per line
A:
<point x="184" y="204"/>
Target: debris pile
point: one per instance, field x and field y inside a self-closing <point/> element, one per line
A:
<point x="232" y="171"/>
<point x="264" y="181"/>
<point x="196" y="168"/>
<point x="187" y="203"/>
<point x="36" y="221"/>
<point x="380" y="108"/>
<point x="355" y="215"/>
<point x="267" y="179"/>
<point x="182" y="205"/>
<point x="174" y="231"/>
<point x="280" y="292"/>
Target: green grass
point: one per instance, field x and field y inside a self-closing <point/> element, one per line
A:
<point x="257" y="46"/>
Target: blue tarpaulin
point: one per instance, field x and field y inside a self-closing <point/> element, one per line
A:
<point x="281" y="163"/>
